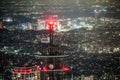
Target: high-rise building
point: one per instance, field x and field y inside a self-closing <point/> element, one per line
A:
<point x="26" y="73"/>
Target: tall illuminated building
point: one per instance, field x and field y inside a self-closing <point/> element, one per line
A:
<point x="54" y="67"/>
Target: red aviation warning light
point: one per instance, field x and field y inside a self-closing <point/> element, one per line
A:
<point x="64" y="68"/>
<point x="45" y="69"/>
<point x="50" y="22"/>
<point x="22" y="71"/>
<point x="38" y="68"/>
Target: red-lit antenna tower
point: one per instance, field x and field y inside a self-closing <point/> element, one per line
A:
<point x="54" y="67"/>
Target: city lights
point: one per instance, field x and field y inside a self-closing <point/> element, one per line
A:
<point x="60" y="40"/>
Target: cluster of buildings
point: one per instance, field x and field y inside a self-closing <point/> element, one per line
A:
<point x="30" y="9"/>
<point x="86" y="28"/>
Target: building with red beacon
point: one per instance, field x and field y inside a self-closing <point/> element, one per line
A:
<point x="53" y="67"/>
<point x="26" y="73"/>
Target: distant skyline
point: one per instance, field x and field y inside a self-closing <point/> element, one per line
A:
<point x="34" y="8"/>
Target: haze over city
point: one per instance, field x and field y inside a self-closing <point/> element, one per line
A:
<point x="60" y="40"/>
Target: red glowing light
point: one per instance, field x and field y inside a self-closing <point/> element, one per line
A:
<point x="51" y="22"/>
<point x="38" y="68"/>
<point x="45" y="69"/>
<point x="65" y="68"/>
<point x="22" y="70"/>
